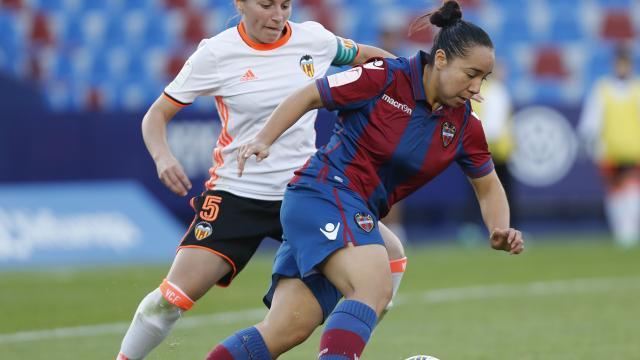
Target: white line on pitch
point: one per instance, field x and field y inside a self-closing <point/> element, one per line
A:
<point x="230" y="317"/>
<point x="432" y="296"/>
<point x="540" y="288"/>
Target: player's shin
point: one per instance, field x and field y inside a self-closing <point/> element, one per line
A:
<point x="244" y="345"/>
<point x="347" y="331"/>
<point x="155" y="317"/>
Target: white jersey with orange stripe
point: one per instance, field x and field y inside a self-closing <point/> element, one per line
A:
<point x="248" y="81"/>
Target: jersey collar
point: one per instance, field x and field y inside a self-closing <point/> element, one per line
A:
<point x="417" y="71"/>
<point x="263" y="47"/>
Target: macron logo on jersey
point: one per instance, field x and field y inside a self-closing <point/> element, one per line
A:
<point x="330" y="231"/>
<point x="396" y="104"/>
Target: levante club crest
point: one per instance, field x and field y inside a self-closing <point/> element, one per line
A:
<point x="306" y="64"/>
<point x="202" y="230"/>
<point x="365" y="222"/>
<point x="448" y="133"/>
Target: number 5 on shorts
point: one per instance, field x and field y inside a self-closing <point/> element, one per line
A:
<point x="210" y="208"/>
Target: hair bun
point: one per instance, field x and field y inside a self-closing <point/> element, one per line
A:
<point x="447" y="15"/>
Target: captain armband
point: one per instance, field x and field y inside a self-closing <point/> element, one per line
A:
<point x="347" y="52"/>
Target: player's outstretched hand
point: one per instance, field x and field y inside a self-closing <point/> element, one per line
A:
<point x="172" y="175"/>
<point x="508" y="240"/>
<point x="254" y="147"/>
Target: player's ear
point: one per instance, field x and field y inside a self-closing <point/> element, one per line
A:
<point x="440" y="59"/>
<point x="240" y="6"/>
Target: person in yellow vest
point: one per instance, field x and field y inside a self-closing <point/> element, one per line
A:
<point x="495" y="112"/>
<point x="610" y="125"/>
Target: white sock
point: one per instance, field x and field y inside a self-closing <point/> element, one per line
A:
<point x="152" y="322"/>
<point x="630" y="223"/>
<point x="397" y="272"/>
<point x="623" y="213"/>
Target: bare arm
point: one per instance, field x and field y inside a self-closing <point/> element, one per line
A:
<point x="495" y="213"/>
<point x="367" y="52"/>
<point x="154" y="133"/>
<point x="282" y="118"/>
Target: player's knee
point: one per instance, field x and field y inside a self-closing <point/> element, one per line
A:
<point x="386" y="294"/>
<point x="383" y="292"/>
<point x="297" y="334"/>
<point x="377" y="296"/>
<point x="157" y="311"/>
<point x="164" y="305"/>
<point x="281" y="336"/>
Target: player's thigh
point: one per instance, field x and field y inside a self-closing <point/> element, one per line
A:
<point x="361" y="272"/>
<point x="196" y="270"/>
<point x="224" y="235"/>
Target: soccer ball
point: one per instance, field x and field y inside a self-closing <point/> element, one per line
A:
<point x="422" y="357"/>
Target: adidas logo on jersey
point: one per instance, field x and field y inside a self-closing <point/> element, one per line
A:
<point x="248" y="76"/>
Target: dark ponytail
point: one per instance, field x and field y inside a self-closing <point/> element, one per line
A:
<point x="456" y="36"/>
<point x="449" y="14"/>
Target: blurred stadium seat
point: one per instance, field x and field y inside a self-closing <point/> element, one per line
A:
<point x="617" y="26"/>
<point x="549" y="64"/>
<point x="78" y="42"/>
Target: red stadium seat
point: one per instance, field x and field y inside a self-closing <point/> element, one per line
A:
<point x="40" y="30"/>
<point x="179" y="4"/>
<point x="194" y="29"/>
<point x="174" y="65"/>
<point x="423" y="37"/>
<point x="93" y="101"/>
<point x="12" y="4"/>
<point x="35" y="68"/>
<point x="469" y="4"/>
<point x="312" y="2"/>
<point x="322" y="14"/>
<point x="549" y="64"/>
<point x="617" y="26"/>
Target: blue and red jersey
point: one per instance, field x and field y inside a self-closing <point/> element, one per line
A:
<point x="388" y="142"/>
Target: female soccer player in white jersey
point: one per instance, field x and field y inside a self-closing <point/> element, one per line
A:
<point x="249" y="69"/>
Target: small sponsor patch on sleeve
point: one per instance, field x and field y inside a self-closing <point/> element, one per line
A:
<point x="345" y="77"/>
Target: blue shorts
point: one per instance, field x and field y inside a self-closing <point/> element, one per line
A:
<point x="284" y="266"/>
<point x="318" y="219"/>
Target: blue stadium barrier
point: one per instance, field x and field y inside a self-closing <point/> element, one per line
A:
<point x="83" y="223"/>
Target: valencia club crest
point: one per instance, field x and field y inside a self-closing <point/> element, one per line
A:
<point x="306" y="64"/>
<point x="448" y="133"/>
<point x="365" y="221"/>
<point x="202" y="230"/>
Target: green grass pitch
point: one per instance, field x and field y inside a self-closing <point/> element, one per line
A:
<point x="559" y="300"/>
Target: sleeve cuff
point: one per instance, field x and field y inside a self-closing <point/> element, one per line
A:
<point x="174" y="101"/>
<point x="325" y="93"/>
<point x="481" y="171"/>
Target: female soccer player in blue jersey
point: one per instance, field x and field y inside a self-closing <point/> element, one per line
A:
<point x="248" y="70"/>
<point x="403" y="121"/>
